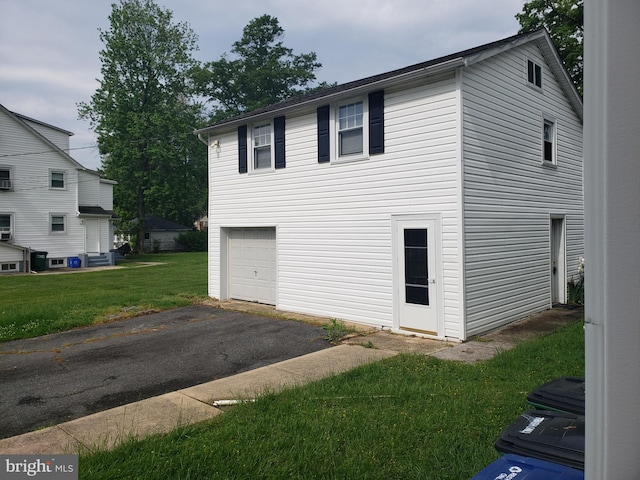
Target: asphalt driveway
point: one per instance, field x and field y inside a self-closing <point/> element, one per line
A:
<point x="56" y="378"/>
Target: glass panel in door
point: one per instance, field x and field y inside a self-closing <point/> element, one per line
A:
<point x="416" y="267"/>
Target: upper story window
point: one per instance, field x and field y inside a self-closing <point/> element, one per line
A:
<point x="5" y="178"/>
<point x="58" y="223"/>
<point x="549" y="141"/>
<point x="262" y="142"/>
<point x="5" y="227"/>
<point x="534" y="74"/>
<point x="350" y="129"/>
<point x="57" y="180"/>
<point x="267" y="151"/>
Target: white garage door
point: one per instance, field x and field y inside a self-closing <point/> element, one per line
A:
<point x="252" y="264"/>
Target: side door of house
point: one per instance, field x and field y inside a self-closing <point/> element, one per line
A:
<point x="417" y="281"/>
<point x="558" y="270"/>
<point x="92" y="235"/>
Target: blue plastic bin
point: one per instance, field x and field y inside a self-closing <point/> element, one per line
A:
<point x="74" y="262"/>
<point x="516" y="467"/>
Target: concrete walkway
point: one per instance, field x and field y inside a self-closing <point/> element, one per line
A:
<point x="161" y="414"/>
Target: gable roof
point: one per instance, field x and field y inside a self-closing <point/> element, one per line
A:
<point x="442" y="64"/>
<point x="23" y="121"/>
<point x="44" y="124"/>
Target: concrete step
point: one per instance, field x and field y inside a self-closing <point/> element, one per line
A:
<point x="98" y="261"/>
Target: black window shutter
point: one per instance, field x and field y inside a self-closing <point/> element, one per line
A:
<point x="278" y="134"/>
<point x="376" y="122"/>
<point x="242" y="149"/>
<point x="323" y="134"/>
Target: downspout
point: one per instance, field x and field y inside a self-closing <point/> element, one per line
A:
<point x="206" y="142"/>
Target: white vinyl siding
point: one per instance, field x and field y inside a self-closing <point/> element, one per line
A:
<point x="9" y="254"/>
<point x="106" y="195"/>
<point x="509" y="194"/>
<point x="88" y="189"/>
<point x="464" y="147"/>
<point x="60" y="138"/>
<point x="334" y="220"/>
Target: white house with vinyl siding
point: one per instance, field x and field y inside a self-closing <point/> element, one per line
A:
<point x="48" y="201"/>
<point x="443" y="199"/>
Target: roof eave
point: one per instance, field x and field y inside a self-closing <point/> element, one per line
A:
<point x="430" y="70"/>
<point x="557" y="67"/>
<point x="437" y="66"/>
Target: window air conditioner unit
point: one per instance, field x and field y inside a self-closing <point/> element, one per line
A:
<point x="5" y="184"/>
<point x="5" y="236"/>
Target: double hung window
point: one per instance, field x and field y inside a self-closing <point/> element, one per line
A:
<point x="5" y="178"/>
<point x="350" y="131"/>
<point x="58" y="223"/>
<point x="5" y="226"/>
<point x="548" y="141"/>
<point x="262" y="146"/>
<point x="57" y="180"/>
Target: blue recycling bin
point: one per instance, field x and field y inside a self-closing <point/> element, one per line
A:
<point x="74" y="262"/>
<point x="517" y="467"/>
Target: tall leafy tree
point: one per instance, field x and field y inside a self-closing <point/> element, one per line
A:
<point x="144" y="115"/>
<point x="262" y="71"/>
<point x="564" y="19"/>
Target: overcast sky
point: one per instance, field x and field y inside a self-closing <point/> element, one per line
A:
<point x="49" y="49"/>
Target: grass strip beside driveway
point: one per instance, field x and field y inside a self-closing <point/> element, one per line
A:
<point x="34" y="305"/>
<point x="408" y="417"/>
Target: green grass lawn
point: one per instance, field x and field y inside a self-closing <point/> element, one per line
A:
<point x="403" y="418"/>
<point x="33" y="305"/>
<point x="409" y="417"/>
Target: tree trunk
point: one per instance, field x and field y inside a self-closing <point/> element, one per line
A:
<point x="139" y="248"/>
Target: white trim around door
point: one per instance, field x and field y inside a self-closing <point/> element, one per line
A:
<point x="558" y="260"/>
<point x="251" y="257"/>
<point x="417" y="275"/>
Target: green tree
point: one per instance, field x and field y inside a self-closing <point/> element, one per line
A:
<point x="144" y="115"/>
<point x="263" y="71"/>
<point x="564" y="19"/>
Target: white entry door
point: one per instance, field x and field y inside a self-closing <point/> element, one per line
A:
<point x="92" y="234"/>
<point x="558" y="273"/>
<point x="417" y="281"/>
<point x="252" y="264"/>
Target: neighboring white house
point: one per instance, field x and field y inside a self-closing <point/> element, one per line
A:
<point x="444" y="198"/>
<point x="48" y="201"/>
